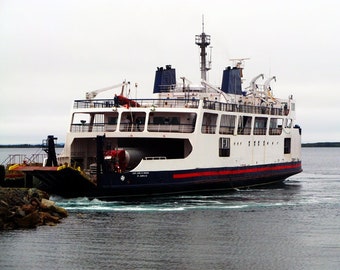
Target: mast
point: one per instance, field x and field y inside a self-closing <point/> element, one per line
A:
<point x="203" y="42"/>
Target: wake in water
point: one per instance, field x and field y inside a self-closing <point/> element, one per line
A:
<point x="240" y="199"/>
<point x="300" y="190"/>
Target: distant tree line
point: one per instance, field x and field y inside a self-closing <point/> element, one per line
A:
<point x="322" y="144"/>
<point x="58" y="145"/>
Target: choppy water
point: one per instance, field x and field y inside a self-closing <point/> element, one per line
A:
<point x="293" y="226"/>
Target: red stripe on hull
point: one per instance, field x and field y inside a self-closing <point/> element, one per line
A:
<point x="236" y="171"/>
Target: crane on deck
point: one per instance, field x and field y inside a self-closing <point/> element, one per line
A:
<point x="91" y="95"/>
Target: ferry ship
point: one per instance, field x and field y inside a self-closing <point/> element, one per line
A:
<point x="185" y="138"/>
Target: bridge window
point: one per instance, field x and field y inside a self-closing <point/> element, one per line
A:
<point x="275" y="126"/>
<point x="111" y="121"/>
<point x="132" y="121"/>
<point x="244" y="125"/>
<point x="87" y="122"/>
<point x="227" y="125"/>
<point x="260" y="126"/>
<point x="171" y="122"/>
<point x="288" y="123"/>
<point x="209" y="123"/>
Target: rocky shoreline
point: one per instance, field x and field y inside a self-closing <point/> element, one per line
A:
<point x="27" y="208"/>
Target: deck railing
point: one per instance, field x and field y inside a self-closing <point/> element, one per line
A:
<point x="144" y="103"/>
<point x="103" y="127"/>
<point x="23" y="158"/>
<point x="230" y="107"/>
<point x="180" y="103"/>
<point x="153" y="104"/>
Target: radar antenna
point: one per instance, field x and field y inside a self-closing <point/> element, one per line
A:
<point x="203" y="41"/>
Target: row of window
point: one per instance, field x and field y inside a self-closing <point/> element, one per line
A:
<point x="243" y="125"/>
<point x="134" y="122"/>
<point x="179" y="122"/>
<point x="224" y="146"/>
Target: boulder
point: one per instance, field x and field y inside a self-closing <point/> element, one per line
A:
<point x="27" y="208"/>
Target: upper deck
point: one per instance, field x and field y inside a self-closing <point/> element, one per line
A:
<point x="184" y="104"/>
<point x="180" y="115"/>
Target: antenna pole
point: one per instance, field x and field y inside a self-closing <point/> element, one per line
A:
<point x="202" y="23"/>
<point x="203" y="42"/>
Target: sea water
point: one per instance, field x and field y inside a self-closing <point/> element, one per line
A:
<point x="292" y="226"/>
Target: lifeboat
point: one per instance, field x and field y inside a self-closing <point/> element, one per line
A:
<point x="124" y="101"/>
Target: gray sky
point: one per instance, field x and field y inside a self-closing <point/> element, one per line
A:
<point x="52" y="52"/>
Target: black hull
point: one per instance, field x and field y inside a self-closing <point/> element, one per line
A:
<point x="158" y="190"/>
<point x="201" y="181"/>
<point x="70" y="183"/>
<point x="66" y="182"/>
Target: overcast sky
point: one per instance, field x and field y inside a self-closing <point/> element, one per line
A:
<point x="52" y="52"/>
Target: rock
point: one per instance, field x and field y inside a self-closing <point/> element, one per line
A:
<point x="28" y="221"/>
<point x="27" y="208"/>
<point x="36" y="193"/>
<point x="48" y="219"/>
<point x="46" y="203"/>
<point x="60" y="211"/>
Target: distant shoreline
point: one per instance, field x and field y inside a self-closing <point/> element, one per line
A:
<point x="58" y="145"/>
<point x="321" y="144"/>
<point x="61" y="145"/>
